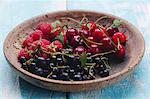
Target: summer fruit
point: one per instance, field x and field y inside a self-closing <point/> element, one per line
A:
<point x="71" y="54"/>
<point x="94" y="49"/>
<point x="98" y="34"/>
<point x="36" y="35"/>
<point x="75" y="41"/>
<point x="119" y="36"/>
<point x="106" y="44"/>
<point x="79" y="50"/>
<point x="57" y="44"/>
<point x="51" y="36"/>
<point x="44" y="27"/>
<point x="85" y="33"/>
<point x="112" y="31"/>
<point x="120" y="51"/>
<point x="90" y="38"/>
<point x="71" y="32"/>
<point x="23" y="53"/>
<point x="89" y="26"/>
<point x="28" y="41"/>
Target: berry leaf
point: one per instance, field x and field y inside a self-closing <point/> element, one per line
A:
<point x="117" y="22"/>
<point x="60" y="37"/>
<point x="83" y="59"/>
<point x="56" y="24"/>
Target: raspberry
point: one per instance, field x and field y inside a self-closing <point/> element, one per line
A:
<point x="44" y="27"/>
<point x="57" y="44"/>
<point x="28" y="41"/>
<point x="36" y="34"/>
<point x="23" y="53"/>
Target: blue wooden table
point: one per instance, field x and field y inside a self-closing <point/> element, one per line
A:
<point x="135" y="86"/>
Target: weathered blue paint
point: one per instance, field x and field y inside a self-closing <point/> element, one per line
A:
<point x="136" y="86"/>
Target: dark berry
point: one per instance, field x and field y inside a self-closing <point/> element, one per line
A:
<point x="79" y="50"/>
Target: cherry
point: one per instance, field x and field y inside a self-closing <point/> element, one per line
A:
<point x="120" y="36"/>
<point x="71" y="32"/>
<point x="90" y="38"/>
<point x="85" y="33"/>
<point x="28" y="41"/>
<point x="89" y="26"/>
<point x="98" y="34"/>
<point x="36" y="34"/>
<point x="75" y="41"/>
<point x="57" y="44"/>
<point x="112" y="31"/>
<point x="120" y="51"/>
<point x="94" y="49"/>
<point x="44" y="27"/>
<point x="79" y="50"/>
<point x="23" y="53"/>
<point x="106" y="44"/>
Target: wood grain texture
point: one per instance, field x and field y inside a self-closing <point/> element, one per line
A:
<point x="136" y="86"/>
<point x="12" y="13"/>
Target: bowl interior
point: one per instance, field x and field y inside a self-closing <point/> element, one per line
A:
<point x="134" y="45"/>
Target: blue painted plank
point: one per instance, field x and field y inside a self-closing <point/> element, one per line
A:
<point x="136" y="86"/>
<point x="12" y="13"/>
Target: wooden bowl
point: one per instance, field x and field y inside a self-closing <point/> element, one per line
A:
<point x="134" y="52"/>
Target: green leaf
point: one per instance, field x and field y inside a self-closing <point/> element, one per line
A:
<point x="89" y="26"/>
<point x="60" y="37"/>
<point x="83" y="59"/>
<point x="56" y="23"/>
<point x="117" y="22"/>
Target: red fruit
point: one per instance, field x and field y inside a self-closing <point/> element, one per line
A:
<point x="23" y="53"/>
<point x="85" y="33"/>
<point x="89" y="26"/>
<point x="98" y="34"/>
<point x="45" y="42"/>
<point x="106" y="44"/>
<point x="28" y="41"/>
<point x="65" y="39"/>
<point x="79" y="50"/>
<point x="57" y="44"/>
<point x="44" y="27"/>
<point x="44" y="55"/>
<point x="71" y="32"/>
<point x="36" y="34"/>
<point x="120" y="36"/>
<point x="53" y="35"/>
<point x="94" y="49"/>
<point x="90" y="38"/>
<point x="120" y="51"/>
<point x="75" y="41"/>
<point x="112" y="31"/>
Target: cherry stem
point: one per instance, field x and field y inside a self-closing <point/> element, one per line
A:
<point x="100" y="54"/>
<point x="90" y="40"/>
<point x="118" y="43"/>
<point x="103" y="17"/>
<point x="83" y="19"/>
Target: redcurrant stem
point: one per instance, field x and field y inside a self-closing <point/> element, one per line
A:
<point x="106" y="64"/>
<point x="103" y="17"/>
<point x="49" y="74"/>
<point x="100" y="54"/>
<point x="82" y="19"/>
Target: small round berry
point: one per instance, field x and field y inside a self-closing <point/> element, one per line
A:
<point x="79" y="50"/>
<point x="98" y="34"/>
<point x="94" y="49"/>
<point x="85" y="33"/>
<point x="71" y="32"/>
<point x="75" y="41"/>
<point x="120" y="51"/>
<point x="112" y="31"/>
<point x="89" y="26"/>
<point x="119" y="36"/>
<point x="106" y="44"/>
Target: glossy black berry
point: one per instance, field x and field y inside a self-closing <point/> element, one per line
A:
<point x="22" y="60"/>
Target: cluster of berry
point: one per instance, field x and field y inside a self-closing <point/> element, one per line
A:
<point x="61" y="52"/>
